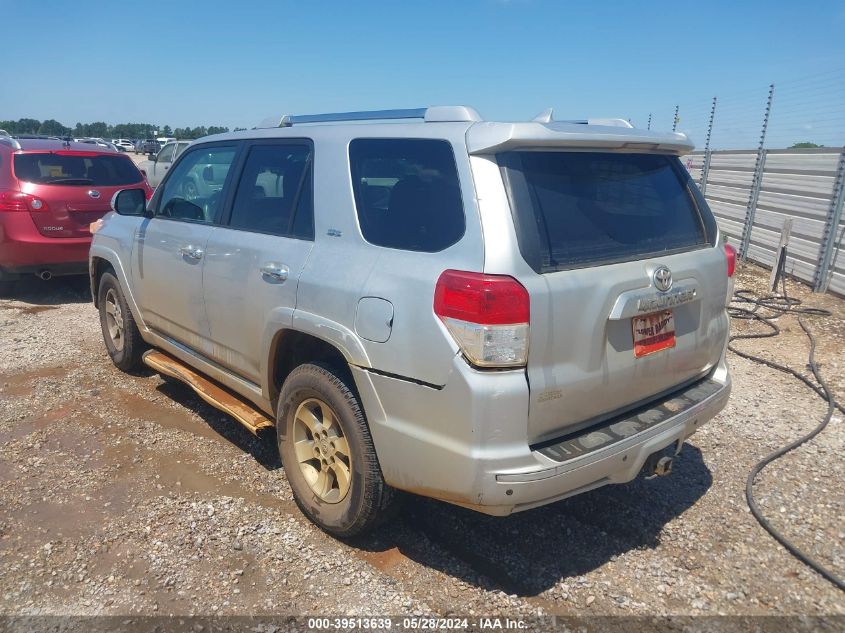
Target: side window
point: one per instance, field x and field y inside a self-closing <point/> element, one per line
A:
<point x="274" y="192"/>
<point x="166" y="154"/>
<point x="193" y="188"/>
<point x="407" y="193"/>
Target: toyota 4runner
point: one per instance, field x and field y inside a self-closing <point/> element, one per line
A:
<point x="497" y="315"/>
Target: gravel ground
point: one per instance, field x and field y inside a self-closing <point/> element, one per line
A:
<point x="128" y="495"/>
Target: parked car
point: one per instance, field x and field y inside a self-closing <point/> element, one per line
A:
<point x="99" y="142"/>
<point x="50" y="192"/>
<point x="123" y="144"/>
<point x="156" y="166"/>
<point x="147" y="146"/>
<point x="497" y="315"/>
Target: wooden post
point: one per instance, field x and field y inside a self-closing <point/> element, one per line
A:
<point x="780" y="256"/>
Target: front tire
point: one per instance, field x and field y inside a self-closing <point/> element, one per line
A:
<point x="120" y="333"/>
<point x="328" y="453"/>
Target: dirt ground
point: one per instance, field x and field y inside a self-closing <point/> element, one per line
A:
<point x="126" y="495"/>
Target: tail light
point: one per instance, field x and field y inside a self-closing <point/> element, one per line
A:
<point x="487" y="315"/>
<point x="730" y="256"/>
<point x="19" y="201"/>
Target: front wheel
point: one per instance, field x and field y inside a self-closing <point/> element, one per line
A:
<point x="120" y="333"/>
<point x="328" y="453"/>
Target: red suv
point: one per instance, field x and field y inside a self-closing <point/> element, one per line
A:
<point x="50" y="192"/>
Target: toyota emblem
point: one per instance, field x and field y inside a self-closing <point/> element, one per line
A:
<point x="94" y="193"/>
<point x="663" y="279"/>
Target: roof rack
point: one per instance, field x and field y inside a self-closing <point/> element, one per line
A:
<point x="439" y="114"/>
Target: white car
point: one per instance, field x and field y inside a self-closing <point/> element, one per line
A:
<point x="156" y="166"/>
<point x="123" y="144"/>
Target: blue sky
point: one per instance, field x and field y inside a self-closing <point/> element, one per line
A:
<point x="234" y="63"/>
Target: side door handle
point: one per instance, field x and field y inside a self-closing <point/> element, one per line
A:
<point x="191" y="252"/>
<point x="276" y="272"/>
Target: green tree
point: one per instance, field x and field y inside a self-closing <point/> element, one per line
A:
<point x="166" y="131"/>
<point x="805" y="145"/>
<point x="27" y="126"/>
<point x="98" y="129"/>
<point x="51" y="127"/>
<point x="215" y="129"/>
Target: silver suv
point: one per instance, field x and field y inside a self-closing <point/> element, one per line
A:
<point x="497" y="315"/>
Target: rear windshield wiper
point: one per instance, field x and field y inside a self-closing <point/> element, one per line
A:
<point x="69" y="181"/>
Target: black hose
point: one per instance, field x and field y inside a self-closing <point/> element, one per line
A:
<point x="779" y="305"/>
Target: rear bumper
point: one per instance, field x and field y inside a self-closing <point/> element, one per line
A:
<point x="23" y="250"/>
<point x="619" y="459"/>
<point x="465" y="443"/>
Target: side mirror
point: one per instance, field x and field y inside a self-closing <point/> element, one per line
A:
<point x="130" y="202"/>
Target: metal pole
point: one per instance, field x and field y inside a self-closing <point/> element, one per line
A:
<point x="831" y="226"/>
<point x="649" y="121"/>
<point x="756" y="181"/>
<point x="675" y="122"/>
<point x="705" y="170"/>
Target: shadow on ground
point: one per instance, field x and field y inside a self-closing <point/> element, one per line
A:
<point x="262" y="448"/>
<point x="523" y="554"/>
<point x="54" y="292"/>
<point x="530" y="552"/>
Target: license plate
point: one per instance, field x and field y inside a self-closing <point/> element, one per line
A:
<point x="653" y="332"/>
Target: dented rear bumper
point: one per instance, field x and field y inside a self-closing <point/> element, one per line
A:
<point x="465" y="443"/>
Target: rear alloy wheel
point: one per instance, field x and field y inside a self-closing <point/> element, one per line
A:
<point x="328" y="453"/>
<point x="120" y="334"/>
<point x="322" y="450"/>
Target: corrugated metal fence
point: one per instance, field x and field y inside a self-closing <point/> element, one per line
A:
<point x="752" y="194"/>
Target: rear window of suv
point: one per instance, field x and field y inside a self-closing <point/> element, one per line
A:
<point x="407" y="193"/>
<point x="76" y="169"/>
<point x="577" y="209"/>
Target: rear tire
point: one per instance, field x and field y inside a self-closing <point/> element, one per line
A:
<point x="120" y="333"/>
<point x="328" y="454"/>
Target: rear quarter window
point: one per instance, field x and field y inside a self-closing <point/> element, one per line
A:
<point x="407" y="194"/>
<point x="577" y="209"/>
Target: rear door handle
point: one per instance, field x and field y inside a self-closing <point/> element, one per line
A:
<point x="276" y="272"/>
<point x="190" y="252"/>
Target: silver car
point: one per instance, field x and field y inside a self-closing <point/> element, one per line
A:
<point x="497" y="315"/>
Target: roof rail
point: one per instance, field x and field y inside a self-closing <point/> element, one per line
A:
<point x="440" y="114"/>
<point x="8" y="140"/>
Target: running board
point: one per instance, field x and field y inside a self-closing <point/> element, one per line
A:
<point x="215" y="395"/>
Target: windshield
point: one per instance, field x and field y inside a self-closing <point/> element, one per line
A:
<point x="574" y="209"/>
<point x="76" y="169"/>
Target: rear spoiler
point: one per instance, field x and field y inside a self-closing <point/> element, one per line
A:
<point x="489" y="138"/>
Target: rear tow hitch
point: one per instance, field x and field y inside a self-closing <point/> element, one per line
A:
<point x="658" y="464"/>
